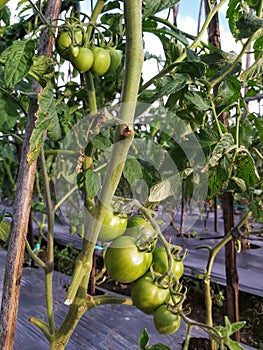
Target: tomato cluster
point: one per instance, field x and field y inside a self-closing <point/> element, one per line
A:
<point x="128" y="260"/>
<point x="71" y="45"/>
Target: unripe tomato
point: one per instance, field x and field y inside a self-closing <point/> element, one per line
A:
<point x="125" y="262"/>
<point x="64" y="43"/>
<point x="138" y="227"/>
<point x="115" y="60"/>
<point x="147" y="295"/>
<point x="102" y="60"/>
<point x="83" y="61"/>
<point x="165" y="321"/>
<point x="160" y="263"/>
<point x="112" y="227"/>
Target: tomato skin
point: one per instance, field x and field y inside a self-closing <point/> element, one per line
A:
<point x="147" y="296"/>
<point x="112" y="227"/>
<point x="102" y="60"/>
<point x="137" y="227"/>
<point x="165" y="321"/>
<point x="160" y="263"/>
<point x="115" y="60"/>
<point x="124" y="261"/>
<point x="83" y="61"/>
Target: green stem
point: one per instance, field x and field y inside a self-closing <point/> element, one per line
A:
<point x="213" y="253"/>
<point x="91" y="93"/>
<point x="50" y="245"/>
<point x="95" y="13"/>
<point x="65" y="197"/>
<point x="215" y="115"/>
<point x="34" y="256"/>
<point x="134" y="61"/>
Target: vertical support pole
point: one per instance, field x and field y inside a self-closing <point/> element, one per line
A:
<point x="232" y="292"/>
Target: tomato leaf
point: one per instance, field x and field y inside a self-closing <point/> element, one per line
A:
<point x="144" y="339"/>
<point x="132" y="170"/>
<point x="93" y="183"/>
<point x="8" y="111"/>
<point x="165" y="189"/>
<point x="153" y="6"/>
<point x="101" y="142"/>
<point x="4" y="230"/>
<point x="225" y="145"/>
<point x="42" y="69"/>
<point x="19" y="58"/>
<point x="198" y="100"/>
<point x="248" y="24"/>
<point x="46" y="111"/>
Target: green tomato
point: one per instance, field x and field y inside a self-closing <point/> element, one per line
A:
<point x="102" y="60"/>
<point x="64" y="43"/>
<point x="147" y="295"/>
<point x="137" y="227"/>
<point x="115" y="60"/>
<point x="112" y="227"/>
<point x="160" y="263"/>
<point x="124" y="261"/>
<point x="165" y="321"/>
<point x="83" y="61"/>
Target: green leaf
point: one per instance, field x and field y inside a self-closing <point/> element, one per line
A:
<point x="226" y="144"/>
<point x="198" y="100"/>
<point x="46" y="112"/>
<point x="8" y="111"/>
<point x="240" y="183"/>
<point x="208" y="137"/>
<point x="246" y="169"/>
<point x="143" y="339"/>
<point x="132" y="170"/>
<point x="153" y="6"/>
<point x="165" y="189"/>
<point x="170" y="85"/>
<point x="177" y="34"/>
<point x="42" y="69"/>
<point x="19" y="58"/>
<point x="4" y="230"/>
<point x="93" y="183"/>
<point x="54" y="129"/>
<point x="248" y="24"/>
<point x="101" y="141"/>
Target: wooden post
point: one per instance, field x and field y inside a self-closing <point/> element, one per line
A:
<point x="232" y="293"/>
<point x="21" y="207"/>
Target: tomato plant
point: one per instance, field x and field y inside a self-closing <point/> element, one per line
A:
<point x="124" y="261"/>
<point x="165" y="321"/>
<point x="160" y="263"/>
<point x="113" y="226"/>
<point x="147" y="295"/>
<point x="102" y="60"/>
